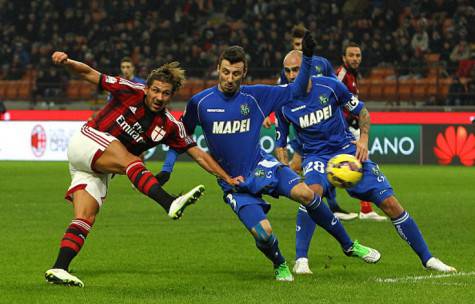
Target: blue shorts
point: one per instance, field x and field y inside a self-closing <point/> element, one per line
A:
<point x="249" y="208"/>
<point x="373" y="187"/>
<point x="270" y="177"/>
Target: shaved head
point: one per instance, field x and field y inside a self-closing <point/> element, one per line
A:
<point x="293" y="57"/>
<point x="292" y="62"/>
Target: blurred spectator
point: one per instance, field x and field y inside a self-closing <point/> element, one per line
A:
<point x="460" y="52"/>
<point x="457" y="93"/>
<point x="195" y="31"/>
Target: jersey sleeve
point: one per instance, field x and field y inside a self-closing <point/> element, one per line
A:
<point x="178" y="140"/>
<point x="271" y="98"/>
<point x="119" y="86"/>
<point x="281" y="129"/>
<point x="190" y="116"/>
<point x="170" y="159"/>
<point x="347" y="100"/>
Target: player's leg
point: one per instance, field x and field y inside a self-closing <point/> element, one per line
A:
<point x="252" y="213"/>
<point x="409" y="231"/>
<point x="117" y="159"/>
<point x="87" y="192"/>
<point x="311" y="198"/>
<point x="305" y="227"/>
<point x="376" y="188"/>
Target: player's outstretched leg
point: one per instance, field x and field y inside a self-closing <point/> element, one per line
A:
<point x="323" y="216"/>
<point x="304" y="231"/>
<point x="407" y="228"/>
<point x="147" y="183"/>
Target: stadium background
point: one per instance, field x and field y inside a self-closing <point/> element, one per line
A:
<point x="417" y="78"/>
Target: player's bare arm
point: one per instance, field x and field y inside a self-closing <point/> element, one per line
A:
<point x="86" y="72"/>
<point x="362" y="143"/>
<point x="210" y="165"/>
<point x="282" y="155"/>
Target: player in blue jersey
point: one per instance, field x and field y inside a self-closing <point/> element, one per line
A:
<point x="231" y="115"/>
<point x="320" y="127"/>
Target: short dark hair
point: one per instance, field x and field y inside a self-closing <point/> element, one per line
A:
<point x="233" y="54"/>
<point x="350" y="44"/>
<point x="298" y="31"/>
<point x="126" y="59"/>
<point x="170" y="73"/>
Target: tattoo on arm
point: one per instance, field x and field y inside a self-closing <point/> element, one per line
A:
<point x="364" y="121"/>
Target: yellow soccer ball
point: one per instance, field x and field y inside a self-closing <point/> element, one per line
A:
<point x="344" y="171"/>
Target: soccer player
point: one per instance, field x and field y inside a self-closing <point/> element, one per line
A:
<point x="321" y="128"/>
<point x="231" y="116"/>
<point x="320" y="67"/>
<point x="348" y="74"/>
<point x="135" y="120"/>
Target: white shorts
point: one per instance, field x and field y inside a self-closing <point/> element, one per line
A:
<point x="84" y="148"/>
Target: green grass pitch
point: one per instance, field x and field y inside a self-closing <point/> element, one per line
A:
<point x="135" y="254"/>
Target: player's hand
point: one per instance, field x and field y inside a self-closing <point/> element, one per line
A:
<point x="267" y="123"/>
<point x="361" y="148"/>
<point x="308" y="44"/>
<point x="59" y="57"/>
<point x="162" y="177"/>
<point x="236" y="180"/>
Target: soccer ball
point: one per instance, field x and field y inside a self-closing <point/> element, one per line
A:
<point x="344" y="171"/>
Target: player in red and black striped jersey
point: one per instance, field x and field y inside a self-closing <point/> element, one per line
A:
<point x="348" y="74"/>
<point x="135" y="120"/>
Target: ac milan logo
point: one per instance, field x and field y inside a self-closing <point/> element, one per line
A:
<point x="455" y="143"/>
<point x="38" y="141"/>
<point x="157" y="134"/>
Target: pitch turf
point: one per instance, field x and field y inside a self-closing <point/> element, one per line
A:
<point x="135" y="254"/>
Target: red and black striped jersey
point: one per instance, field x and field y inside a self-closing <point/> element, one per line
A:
<point x="127" y="118"/>
<point x="350" y="80"/>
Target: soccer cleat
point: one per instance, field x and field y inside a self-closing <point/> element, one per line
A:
<point x="282" y="273"/>
<point x="372" y="216"/>
<point x="301" y="266"/>
<point x="367" y="254"/>
<point x="62" y="277"/>
<point x="346" y="216"/>
<point x="180" y="203"/>
<point x="438" y="265"/>
<point x="342" y="214"/>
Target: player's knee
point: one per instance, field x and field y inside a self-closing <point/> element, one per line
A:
<point x="391" y="207"/>
<point x="302" y="193"/>
<point x="262" y="232"/>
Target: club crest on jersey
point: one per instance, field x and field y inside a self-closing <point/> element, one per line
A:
<point x="259" y="172"/>
<point x="319" y="70"/>
<point x="245" y="109"/>
<point x="323" y="100"/>
<point x="157" y="134"/>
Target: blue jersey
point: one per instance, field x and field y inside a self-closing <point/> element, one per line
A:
<point x="232" y="124"/>
<point x="318" y="118"/>
<point x="320" y="66"/>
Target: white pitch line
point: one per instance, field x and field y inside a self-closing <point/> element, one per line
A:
<point x="427" y="277"/>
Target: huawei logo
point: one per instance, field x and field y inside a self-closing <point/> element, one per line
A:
<point x="455" y="143"/>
